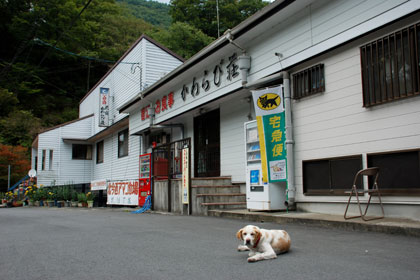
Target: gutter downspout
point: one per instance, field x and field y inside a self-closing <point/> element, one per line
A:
<point x="291" y="190"/>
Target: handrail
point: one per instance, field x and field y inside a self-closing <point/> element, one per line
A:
<point x="17" y="184"/>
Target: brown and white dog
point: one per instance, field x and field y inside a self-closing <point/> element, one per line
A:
<point x="263" y="244"/>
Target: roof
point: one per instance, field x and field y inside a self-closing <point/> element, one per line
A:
<point x="219" y="43"/>
<point x="125" y="54"/>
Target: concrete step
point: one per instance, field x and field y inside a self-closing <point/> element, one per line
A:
<point x="223" y="203"/>
<point x="203" y="189"/>
<point x="220" y="194"/>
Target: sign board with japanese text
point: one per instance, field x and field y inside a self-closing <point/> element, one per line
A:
<point x="103" y="106"/>
<point x="209" y="83"/>
<point x="185" y="175"/>
<point x="123" y="193"/>
<point x="270" y="114"/>
<point x="98" y="185"/>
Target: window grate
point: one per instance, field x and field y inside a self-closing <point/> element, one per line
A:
<point x="308" y="81"/>
<point x="390" y="67"/>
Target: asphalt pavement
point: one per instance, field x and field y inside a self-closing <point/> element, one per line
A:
<point x="73" y="243"/>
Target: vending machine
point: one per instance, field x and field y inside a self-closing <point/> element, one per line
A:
<point x="145" y="177"/>
<point x="260" y="195"/>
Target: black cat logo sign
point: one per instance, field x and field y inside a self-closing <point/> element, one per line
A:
<point x="269" y="101"/>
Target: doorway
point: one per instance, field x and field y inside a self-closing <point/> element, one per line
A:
<point x="207" y="144"/>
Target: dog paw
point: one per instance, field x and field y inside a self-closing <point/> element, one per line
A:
<point x="252" y="259"/>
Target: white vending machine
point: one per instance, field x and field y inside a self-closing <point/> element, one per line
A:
<point x="260" y="195"/>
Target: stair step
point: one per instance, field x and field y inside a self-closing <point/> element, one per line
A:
<point x="218" y="186"/>
<point x="220" y="194"/>
<point x="222" y="203"/>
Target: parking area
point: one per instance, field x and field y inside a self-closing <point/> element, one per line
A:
<point x="73" y="243"/>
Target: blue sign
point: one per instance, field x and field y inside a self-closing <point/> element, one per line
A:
<point x="255" y="177"/>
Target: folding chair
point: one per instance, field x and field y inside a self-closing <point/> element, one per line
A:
<point x="370" y="172"/>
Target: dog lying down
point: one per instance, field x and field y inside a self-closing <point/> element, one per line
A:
<point x="263" y="244"/>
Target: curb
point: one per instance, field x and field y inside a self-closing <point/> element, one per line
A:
<point x="324" y="223"/>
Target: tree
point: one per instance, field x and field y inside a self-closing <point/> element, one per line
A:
<point x="17" y="158"/>
<point x="202" y="14"/>
<point x="19" y="128"/>
<point x="183" y="39"/>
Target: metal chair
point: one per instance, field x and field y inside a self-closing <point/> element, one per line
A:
<point x="370" y="172"/>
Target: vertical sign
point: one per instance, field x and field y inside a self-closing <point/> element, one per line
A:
<point x="103" y="106"/>
<point x="271" y="128"/>
<point x="185" y="175"/>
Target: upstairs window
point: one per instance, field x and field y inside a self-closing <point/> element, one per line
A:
<point x="123" y="143"/>
<point x="309" y="81"/>
<point x="51" y="160"/>
<point x="81" y="151"/>
<point x="390" y="67"/>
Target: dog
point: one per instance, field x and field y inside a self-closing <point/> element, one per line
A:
<point x="263" y="244"/>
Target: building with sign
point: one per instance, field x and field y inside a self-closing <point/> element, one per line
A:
<point x="350" y="77"/>
<point x="97" y="146"/>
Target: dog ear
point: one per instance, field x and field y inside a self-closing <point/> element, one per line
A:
<point x="257" y="233"/>
<point x="239" y="234"/>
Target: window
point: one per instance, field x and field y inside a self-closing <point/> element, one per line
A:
<point x="330" y="176"/>
<point x="308" y="81"/>
<point x="100" y="152"/>
<point x="50" y="164"/>
<point x="399" y="172"/>
<point x="82" y="151"/>
<point x="123" y="143"/>
<point x="390" y="67"/>
<point x="44" y="152"/>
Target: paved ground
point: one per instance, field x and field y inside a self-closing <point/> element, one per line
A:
<point x="43" y="243"/>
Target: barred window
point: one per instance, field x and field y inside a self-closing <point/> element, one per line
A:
<point x="390" y="67"/>
<point x="308" y="81"/>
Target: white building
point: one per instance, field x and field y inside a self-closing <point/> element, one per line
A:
<point x="354" y="80"/>
<point x="87" y="149"/>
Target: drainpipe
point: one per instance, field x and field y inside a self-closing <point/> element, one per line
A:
<point x="291" y="190"/>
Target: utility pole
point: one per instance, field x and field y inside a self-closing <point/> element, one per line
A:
<point x="8" y="178"/>
<point x="218" y="24"/>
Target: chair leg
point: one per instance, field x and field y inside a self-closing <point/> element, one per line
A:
<point x="348" y="204"/>
<point x="367" y="206"/>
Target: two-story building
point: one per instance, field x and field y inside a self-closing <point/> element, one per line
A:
<point x="97" y="145"/>
<point x="351" y="69"/>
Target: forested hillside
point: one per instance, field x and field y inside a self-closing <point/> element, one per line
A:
<point x="153" y="12"/>
<point x="54" y="51"/>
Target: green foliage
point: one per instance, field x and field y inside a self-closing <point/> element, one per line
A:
<point x="203" y="14"/>
<point x="81" y="197"/>
<point x="152" y="12"/>
<point x="19" y="128"/>
<point x="74" y="195"/>
<point x="183" y="39"/>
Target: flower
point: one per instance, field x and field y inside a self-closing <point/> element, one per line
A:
<point x="90" y="196"/>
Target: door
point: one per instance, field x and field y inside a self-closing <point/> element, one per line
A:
<point x="207" y="144"/>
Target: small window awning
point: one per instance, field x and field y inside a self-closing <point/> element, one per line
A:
<point x="76" y="141"/>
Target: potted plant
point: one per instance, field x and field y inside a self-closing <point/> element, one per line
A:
<point x="74" y="198"/>
<point x="66" y="196"/>
<point x="31" y="192"/>
<point x="59" y="196"/>
<point x="90" y="197"/>
<point x="50" y="198"/>
<point x="82" y="200"/>
<point x="9" y="199"/>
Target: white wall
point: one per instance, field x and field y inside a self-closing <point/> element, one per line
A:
<point x="114" y="168"/>
<point x="64" y="169"/>
<point x="335" y="123"/>
<point x="233" y="115"/>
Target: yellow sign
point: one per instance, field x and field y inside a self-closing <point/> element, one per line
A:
<point x="269" y="101"/>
